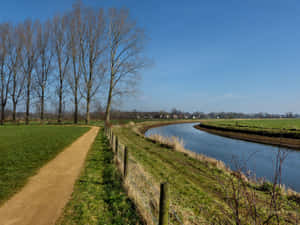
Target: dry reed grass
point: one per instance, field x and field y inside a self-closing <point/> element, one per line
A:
<point x="293" y="195"/>
<point x="178" y="145"/>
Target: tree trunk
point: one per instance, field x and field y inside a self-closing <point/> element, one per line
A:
<point x="2" y="106"/>
<point x="2" y="114"/>
<point x="88" y="100"/>
<point x="14" y="111"/>
<point x="2" y="99"/>
<point x="60" y="103"/>
<point x="28" y="100"/>
<point x="42" y="104"/>
<point x="76" y="105"/>
<point x="14" y="99"/>
<point x="107" y="113"/>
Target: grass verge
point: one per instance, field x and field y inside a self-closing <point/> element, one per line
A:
<point x="24" y="149"/>
<point x="198" y="188"/>
<point x="98" y="196"/>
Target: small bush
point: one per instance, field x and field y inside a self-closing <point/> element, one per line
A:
<point x="266" y="187"/>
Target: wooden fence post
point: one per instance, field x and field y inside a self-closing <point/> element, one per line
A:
<point x="125" y="162"/>
<point x="111" y="135"/>
<point x="116" y="145"/>
<point x="164" y="204"/>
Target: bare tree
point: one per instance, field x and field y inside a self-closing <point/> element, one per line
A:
<point x="14" y="64"/>
<point x="75" y="37"/>
<point x="61" y="56"/>
<point x="28" y="60"/>
<point x="275" y="202"/>
<point x="5" y="75"/>
<point x="247" y="206"/>
<point x="92" y="49"/>
<point x="43" y="65"/>
<point x="125" y="51"/>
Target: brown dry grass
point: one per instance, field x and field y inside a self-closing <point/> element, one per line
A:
<point x="178" y="145"/>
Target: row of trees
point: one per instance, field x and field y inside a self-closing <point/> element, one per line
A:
<point x="77" y="54"/>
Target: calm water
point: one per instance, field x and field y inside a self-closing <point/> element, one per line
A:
<point x="262" y="158"/>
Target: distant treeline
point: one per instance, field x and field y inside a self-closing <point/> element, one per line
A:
<point x="178" y="114"/>
<point x="99" y="114"/>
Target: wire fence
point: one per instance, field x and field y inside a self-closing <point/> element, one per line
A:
<point x="151" y="198"/>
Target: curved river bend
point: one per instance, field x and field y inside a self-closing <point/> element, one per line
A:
<point x="262" y="157"/>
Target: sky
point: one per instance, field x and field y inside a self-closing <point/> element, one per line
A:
<point x="208" y="55"/>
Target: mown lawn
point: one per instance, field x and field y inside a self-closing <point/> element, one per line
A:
<point x="196" y="188"/>
<point x="98" y="196"/>
<point x="24" y="149"/>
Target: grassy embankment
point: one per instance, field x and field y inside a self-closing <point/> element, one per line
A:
<point x="197" y="187"/>
<point x="273" y="127"/>
<point x="284" y="132"/>
<point x="98" y="196"/>
<point x="24" y="149"/>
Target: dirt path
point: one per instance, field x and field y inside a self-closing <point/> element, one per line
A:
<point x="43" y="198"/>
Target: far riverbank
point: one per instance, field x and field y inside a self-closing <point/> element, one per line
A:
<point x="247" y="135"/>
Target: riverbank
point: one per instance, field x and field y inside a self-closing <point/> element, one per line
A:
<point x="144" y="126"/>
<point x="200" y="192"/>
<point x="250" y="135"/>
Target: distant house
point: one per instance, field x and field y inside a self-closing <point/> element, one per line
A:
<point x="174" y="116"/>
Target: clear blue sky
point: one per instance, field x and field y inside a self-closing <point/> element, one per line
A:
<point x="209" y="55"/>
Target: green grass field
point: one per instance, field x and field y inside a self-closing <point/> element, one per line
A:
<point x="275" y="124"/>
<point x="288" y="128"/>
<point x="98" y="196"/>
<point x="24" y="149"/>
<point x="195" y="188"/>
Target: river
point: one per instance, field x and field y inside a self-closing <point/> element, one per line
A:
<point x="259" y="158"/>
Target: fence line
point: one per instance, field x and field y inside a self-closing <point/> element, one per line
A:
<point x="152" y="199"/>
